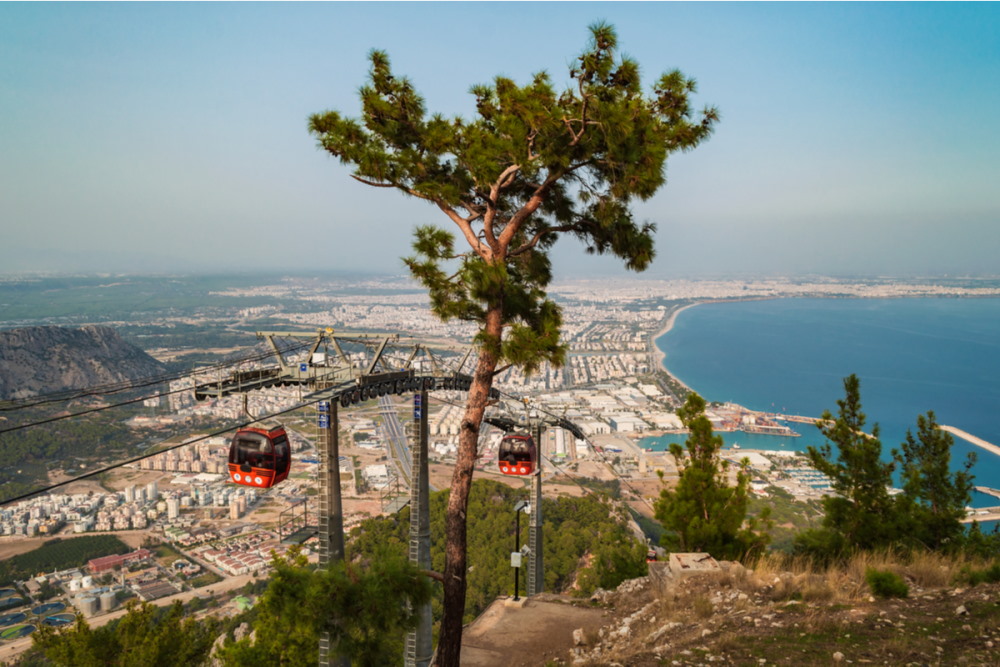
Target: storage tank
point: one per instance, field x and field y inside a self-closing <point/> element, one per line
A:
<point x="88" y="605"/>
<point x="108" y="601"/>
<point x="87" y="582"/>
<point x="74" y="584"/>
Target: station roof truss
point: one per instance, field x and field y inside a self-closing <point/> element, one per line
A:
<point x="351" y="367"/>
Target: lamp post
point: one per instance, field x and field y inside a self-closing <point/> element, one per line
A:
<point x="515" y="555"/>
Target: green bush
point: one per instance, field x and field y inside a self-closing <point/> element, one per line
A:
<point x="974" y="577"/>
<point x="885" y="584"/>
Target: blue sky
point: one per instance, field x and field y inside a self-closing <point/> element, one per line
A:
<point x="855" y="137"/>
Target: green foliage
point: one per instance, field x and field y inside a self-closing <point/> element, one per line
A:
<point x="146" y="635"/>
<point x="652" y="529"/>
<point x="611" y="488"/>
<point x="166" y="553"/>
<point x="787" y="516"/>
<point x="24" y="454"/>
<point x="703" y="512"/>
<point x="973" y="576"/>
<point x="934" y="498"/>
<point x="587" y="543"/>
<point x="204" y="579"/>
<point x="59" y="554"/>
<point x="365" y="607"/>
<point x="532" y="165"/>
<point x="983" y="545"/>
<point x="886" y="584"/>
<point x="861" y="513"/>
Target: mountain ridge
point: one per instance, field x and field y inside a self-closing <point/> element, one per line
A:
<point x="48" y="359"/>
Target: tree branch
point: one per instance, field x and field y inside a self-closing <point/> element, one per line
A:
<point x="431" y="574"/>
<point x="500" y="370"/>
<point x="538" y="237"/>
<point x="465" y="225"/>
<point x="505" y="178"/>
<point x="375" y="184"/>
<point x="536" y="199"/>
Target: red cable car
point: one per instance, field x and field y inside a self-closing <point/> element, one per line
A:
<point x="517" y="455"/>
<point x="651" y="556"/>
<point x="259" y="456"/>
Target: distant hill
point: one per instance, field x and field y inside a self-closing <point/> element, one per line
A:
<point x="43" y="360"/>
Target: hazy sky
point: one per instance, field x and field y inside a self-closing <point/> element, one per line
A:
<point x="855" y="138"/>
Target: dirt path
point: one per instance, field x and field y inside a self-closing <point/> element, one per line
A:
<point x="527" y="633"/>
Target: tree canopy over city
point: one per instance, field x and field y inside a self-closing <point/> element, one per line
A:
<point x="532" y="166"/>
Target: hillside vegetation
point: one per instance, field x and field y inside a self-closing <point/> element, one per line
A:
<point x="785" y="611"/>
<point x="58" y="554"/>
<point x="587" y="544"/>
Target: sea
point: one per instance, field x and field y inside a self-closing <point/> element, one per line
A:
<point x="791" y="356"/>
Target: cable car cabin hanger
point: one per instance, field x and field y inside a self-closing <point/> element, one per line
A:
<point x="518" y="455"/>
<point x="260" y="456"/>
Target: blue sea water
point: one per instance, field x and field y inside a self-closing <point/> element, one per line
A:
<point x="791" y="355"/>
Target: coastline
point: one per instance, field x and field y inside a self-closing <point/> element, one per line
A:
<point x="659" y="355"/>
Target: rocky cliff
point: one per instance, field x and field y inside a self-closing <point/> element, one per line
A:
<point x="45" y="360"/>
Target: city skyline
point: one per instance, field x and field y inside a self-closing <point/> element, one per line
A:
<point x="856" y="138"/>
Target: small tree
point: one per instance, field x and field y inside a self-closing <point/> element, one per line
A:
<point x="532" y="166"/>
<point x="146" y="635"/>
<point x="934" y="498"/>
<point x="861" y="514"/>
<point x="703" y="512"/>
<point x="366" y="610"/>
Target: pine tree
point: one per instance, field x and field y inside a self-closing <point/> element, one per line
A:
<point x="934" y="497"/>
<point x="861" y="513"/>
<point x="532" y="166"/>
<point x="703" y="512"/>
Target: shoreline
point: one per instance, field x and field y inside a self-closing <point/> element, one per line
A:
<point x="661" y="356"/>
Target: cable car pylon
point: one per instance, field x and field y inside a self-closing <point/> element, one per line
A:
<point x="527" y="452"/>
<point x="338" y="378"/>
<point x="419" y="643"/>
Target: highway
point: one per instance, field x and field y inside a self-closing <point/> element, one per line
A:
<point x="393" y="432"/>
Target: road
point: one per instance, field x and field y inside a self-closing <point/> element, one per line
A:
<point x="399" y="449"/>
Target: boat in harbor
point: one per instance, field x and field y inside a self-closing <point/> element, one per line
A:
<point x="770" y="429"/>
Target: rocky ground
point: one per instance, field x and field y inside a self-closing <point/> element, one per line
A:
<point x="736" y="616"/>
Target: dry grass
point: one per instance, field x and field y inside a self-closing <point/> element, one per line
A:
<point x="783" y="606"/>
<point x="784" y="577"/>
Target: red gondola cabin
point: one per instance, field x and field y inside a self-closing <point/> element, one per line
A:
<point x="517" y="455"/>
<point x="259" y="456"/>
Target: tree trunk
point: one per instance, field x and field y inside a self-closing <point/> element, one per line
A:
<point x="450" y="637"/>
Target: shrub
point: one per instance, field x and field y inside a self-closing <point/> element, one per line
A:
<point x="974" y="577"/>
<point x="885" y="584"/>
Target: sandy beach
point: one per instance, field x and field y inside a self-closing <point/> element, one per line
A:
<point x="657" y="353"/>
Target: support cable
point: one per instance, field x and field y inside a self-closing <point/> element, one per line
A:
<point x="136" y="459"/>
<point x="114" y="388"/>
